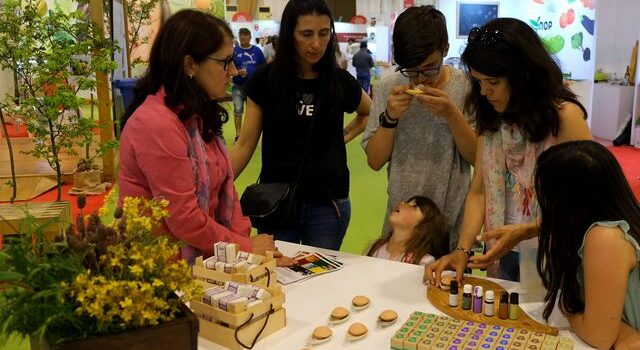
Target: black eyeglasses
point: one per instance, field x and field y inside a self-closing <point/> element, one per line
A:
<point x="427" y="72"/>
<point x="226" y="61"/>
<point x="485" y="37"/>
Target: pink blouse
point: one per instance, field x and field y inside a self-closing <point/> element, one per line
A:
<point x="154" y="163"/>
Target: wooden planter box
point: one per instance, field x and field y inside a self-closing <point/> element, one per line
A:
<point x="179" y="334"/>
<point x="241" y="329"/>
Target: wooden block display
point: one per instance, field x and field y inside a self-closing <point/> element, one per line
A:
<point x="52" y="217"/>
<point x="440" y="299"/>
<point x="263" y="276"/>
<point x="424" y="331"/>
<point x="241" y="326"/>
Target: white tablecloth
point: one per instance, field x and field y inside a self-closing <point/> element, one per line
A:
<point x="389" y="285"/>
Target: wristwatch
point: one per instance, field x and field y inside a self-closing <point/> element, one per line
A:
<point x="387" y="122"/>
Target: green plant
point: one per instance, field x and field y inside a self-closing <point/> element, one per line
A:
<point x="139" y="16"/>
<point x="55" y="56"/>
<point x="95" y="280"/>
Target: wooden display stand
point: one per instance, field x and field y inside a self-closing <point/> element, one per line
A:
<point x="51" y="217"/>
<point x="440" y="299"/>
<point x="263" y="276"/>
<point x="241" y="327"/>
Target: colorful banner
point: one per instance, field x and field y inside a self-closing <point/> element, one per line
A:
<point x="567" y="28"/>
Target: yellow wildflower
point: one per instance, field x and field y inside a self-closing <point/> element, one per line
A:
<point x="136" y="270"/>
<point x="127" y="302"/>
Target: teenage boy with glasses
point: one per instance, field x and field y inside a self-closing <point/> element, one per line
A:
<point x="417" y="124"/>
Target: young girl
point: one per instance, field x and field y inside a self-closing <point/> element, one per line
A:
<point x="588" y="252"/>
<point x="418" y="233"/>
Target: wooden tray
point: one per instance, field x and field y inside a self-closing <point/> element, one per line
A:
<point x="440" y="299"/>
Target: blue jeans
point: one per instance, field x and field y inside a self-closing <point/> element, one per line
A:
<point x="321" y="224"/>
<point x="239" y="96"/>
<point x="365" y="81"/>
<point x="509" y="267"/>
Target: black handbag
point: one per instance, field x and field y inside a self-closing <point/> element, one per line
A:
<point x="275" y="205"/>
<point x="270" y="206"/>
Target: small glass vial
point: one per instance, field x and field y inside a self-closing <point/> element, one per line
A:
<point x="477" y="299"/>
<point x="487" y="307"/>
<point x="503" y="309"/>
<point x="514" y="311"/>
<point x="466" y="297"/>
<point x="453" y="293"/>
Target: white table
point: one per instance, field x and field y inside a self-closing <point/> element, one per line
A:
<point x="389" y="285"/>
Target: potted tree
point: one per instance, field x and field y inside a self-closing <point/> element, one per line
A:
<point x="55" y="56"/>
<point x="88" y="176"/>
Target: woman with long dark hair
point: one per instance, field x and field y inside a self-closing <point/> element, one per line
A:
<point x="303" y="89"/>
<point x="589" y="252"/>
<point x="171" y="145"/>
<point x="521" y="108"/>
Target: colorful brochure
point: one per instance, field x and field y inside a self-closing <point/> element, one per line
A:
<point x="309" y="264"/>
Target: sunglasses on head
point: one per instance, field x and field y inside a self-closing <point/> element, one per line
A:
<point x="485" y="37"/>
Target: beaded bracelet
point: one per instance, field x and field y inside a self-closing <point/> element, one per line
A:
<point x="469" y="252"/>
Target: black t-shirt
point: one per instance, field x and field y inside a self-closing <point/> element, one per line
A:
<point x="285" y="131"/>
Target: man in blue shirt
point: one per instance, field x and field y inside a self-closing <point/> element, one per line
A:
<point x="247" y="58"/>
<point x="363" y="62"/>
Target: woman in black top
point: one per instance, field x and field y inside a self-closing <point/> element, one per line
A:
<point x="302" y="84"/>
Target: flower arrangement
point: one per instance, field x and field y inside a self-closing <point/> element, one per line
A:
<point x="96" y="279"/>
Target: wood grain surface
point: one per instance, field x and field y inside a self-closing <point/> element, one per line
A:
<point x="440" y="299"/>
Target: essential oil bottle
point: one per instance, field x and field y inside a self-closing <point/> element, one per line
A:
<point x="453" y="293"/>
<point x="466" y="297"/>
<point x="487" y="307"/>
<point x="514" y="311"/>
<point x="477" y="299"/>
<point x="503" y="309"/>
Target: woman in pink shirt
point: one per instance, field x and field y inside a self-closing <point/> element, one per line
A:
<point x="172" y="145"/>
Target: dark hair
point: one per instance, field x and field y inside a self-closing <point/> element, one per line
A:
<point x="284" y="74"/>
<point x="508" y="47"/>
<point x="193" y="33"/>
<point x="430" y="236"/>
<point x="418" y="32"/>
<point x="363" y="44"/>
<point x="244" y="31"/>
<point x="577" y="183"/>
